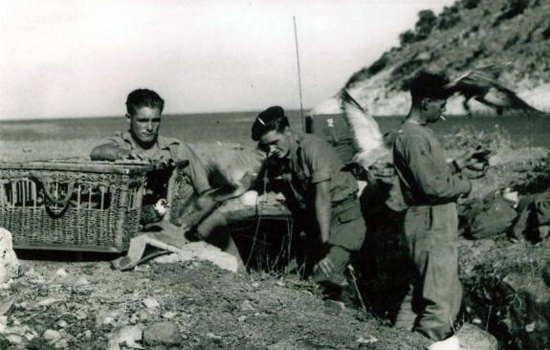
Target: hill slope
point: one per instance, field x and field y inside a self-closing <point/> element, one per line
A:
<point x="469" y="34"/>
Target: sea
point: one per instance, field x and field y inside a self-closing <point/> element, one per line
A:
<point x="234" y="127"/>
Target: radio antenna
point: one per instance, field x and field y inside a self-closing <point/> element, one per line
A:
<point x="299" y="76"/>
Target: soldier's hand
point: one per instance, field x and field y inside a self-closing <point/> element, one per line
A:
<point x="137" y="155"/>
<point x="465" y="160"/>
<point x="476" y="170"/>
<point x="326" y="266"/>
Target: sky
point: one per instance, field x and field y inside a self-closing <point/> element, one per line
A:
<point x="79" y="58"/>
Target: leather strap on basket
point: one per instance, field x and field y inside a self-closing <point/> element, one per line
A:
<point x="57" y="205"/>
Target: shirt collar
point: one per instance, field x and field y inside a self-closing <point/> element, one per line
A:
<point x="414" y="121"/>
<point x="162" y="142"/>
<point x="294" y="144"/>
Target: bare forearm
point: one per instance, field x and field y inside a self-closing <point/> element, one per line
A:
<point x="323" y="209"/>
<point x="109" y="152"/>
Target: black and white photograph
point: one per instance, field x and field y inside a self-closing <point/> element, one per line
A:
<point x="275" y="175"/>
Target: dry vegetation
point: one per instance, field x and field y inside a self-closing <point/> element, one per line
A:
<point x="465" y="35"/>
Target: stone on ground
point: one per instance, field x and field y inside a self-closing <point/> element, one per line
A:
<point x="474" y="338"/>
<point x="126" y="336"/>
<point x="167" y="333"/>
<point x="9" y="264"/>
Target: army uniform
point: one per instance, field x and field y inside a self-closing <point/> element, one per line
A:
<point x="430" y="188"/>
<point x="195" y="181"/>
<point x="311" y="161"/>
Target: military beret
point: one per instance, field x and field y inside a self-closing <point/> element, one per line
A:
<point x="266" y="121"/>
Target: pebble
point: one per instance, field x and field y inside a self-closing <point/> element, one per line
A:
<point x="335" y="306"/>
<point x="48" y="301"/>
<point x="31" y="272"/>
<point x="151" y="303"/>
<point x="61" y="273"/>
<point x="62" y="324"/>
<point x="169" y="315"/>
<point x="6" y="305"/>
<point x="113" y="318"/>
<point x="61" y="344"/>
<point x="80" y="315"/>
<point x="82" y="281"/>
<point x="127" y="335"/>
<point x="109" y="320"/>
<point x="134" y="318"/>
<point x="530" y="327"/>
<point x="367" y="339"/>
<point x="144" y="315"/>
<point x="167" y="333"/>
<point x="14" y="338"/>
<point x="51" y="336"/>
<point x="246" y="306"/>
<point x="213" y="336"/>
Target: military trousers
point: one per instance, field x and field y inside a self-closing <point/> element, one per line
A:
<point x="435" y="297"/>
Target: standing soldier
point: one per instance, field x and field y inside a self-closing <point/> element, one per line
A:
<point x="431" y="187"/>
<point x="322" y="197"/>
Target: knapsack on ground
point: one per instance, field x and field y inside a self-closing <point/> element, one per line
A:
<point x="490" y="216"/>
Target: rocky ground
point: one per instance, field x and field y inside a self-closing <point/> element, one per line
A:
<point x="193" y="305"/>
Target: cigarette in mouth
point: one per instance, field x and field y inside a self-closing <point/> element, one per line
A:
<point x="443" y="117"/>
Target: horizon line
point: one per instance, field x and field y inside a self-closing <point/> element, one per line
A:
<point x="44" y="118"/>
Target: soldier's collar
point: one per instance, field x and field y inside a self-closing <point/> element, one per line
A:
<point x="161" y="142"/>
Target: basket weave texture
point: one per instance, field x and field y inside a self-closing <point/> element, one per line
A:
<point x="62" y="206"/>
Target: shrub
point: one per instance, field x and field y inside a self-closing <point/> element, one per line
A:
<point x="448" y="18"/>
<point x="510" y="10"/>
<point x="470" y="4"/>
<point x="407" y="37"/>
<point x="546" y="32"/>
<point x="378" y="65"/>
<point x="511" y="42"/>
<point x="426" y="22"/>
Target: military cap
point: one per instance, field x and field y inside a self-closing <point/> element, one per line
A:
<point x="267" y="121"/>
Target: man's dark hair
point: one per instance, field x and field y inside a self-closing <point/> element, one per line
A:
<point x="429" y="85"/>
<point x="143" y="98"/>
<point x="272" y="118"/>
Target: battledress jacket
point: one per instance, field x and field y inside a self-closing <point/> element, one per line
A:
<point x="424" y="175"/>
<point x="169" y="148"/>
<point x="310" y="161"/>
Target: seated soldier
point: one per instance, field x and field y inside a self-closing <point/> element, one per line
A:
<point x="143" y="142"/>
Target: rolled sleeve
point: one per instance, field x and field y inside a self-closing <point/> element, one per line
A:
<point x="319" y="166"/>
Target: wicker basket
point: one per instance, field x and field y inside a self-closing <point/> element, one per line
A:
<point x="83" y="206"/>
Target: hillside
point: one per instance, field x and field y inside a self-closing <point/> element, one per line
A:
<point x="466" y="35"/>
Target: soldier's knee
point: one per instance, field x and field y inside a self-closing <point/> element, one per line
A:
<point x="214" y="223"/>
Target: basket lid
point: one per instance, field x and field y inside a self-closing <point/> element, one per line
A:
<point x="127" y="167"/>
